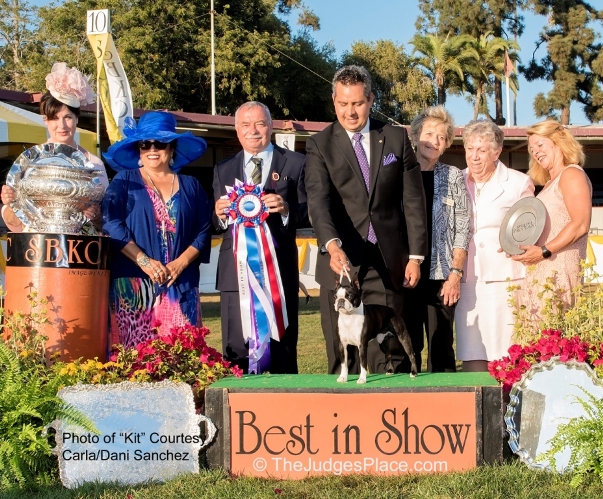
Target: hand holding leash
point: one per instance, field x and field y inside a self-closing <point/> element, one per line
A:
<point x="339" y="259"/>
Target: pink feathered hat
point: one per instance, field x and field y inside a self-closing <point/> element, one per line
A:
<point x="69" y="86"/>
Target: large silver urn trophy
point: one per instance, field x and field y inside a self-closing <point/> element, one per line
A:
<point x="58" y="255"/>
<point x="54" y="183"/>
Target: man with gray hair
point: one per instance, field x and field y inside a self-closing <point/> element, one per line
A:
<point x="280" y="172"/>
<point x="366" y="204"/>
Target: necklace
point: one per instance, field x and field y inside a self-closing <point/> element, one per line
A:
<point x="161" y="198"/>
<point x="478" y="189"/>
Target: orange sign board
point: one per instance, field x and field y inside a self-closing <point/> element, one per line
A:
<point x="295" y="435"/>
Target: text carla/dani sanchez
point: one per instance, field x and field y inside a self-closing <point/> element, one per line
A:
<point x="136" y="455"/>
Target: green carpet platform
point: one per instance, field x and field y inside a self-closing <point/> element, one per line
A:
<point x="292" y="426"/>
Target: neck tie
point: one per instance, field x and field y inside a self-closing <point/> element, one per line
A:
<point x="366" y="174"/>
<point x="256" y="174"/>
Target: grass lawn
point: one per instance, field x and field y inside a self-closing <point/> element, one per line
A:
<point x="512" y="480"/>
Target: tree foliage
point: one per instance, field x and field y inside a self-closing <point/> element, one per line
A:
<point x="487" y="62"/>
<point x="573" y="62"/>
<point x="445" y="59"/>
<point x="165" y="50"/>
<point x="16" y="37"/>
<point x="501" y="18"/>
<point x="401" y="88"/>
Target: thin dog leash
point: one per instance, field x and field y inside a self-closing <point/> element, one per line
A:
<point x="346" y="274"/>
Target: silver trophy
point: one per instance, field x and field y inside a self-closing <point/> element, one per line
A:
<point x="54" y="183"/>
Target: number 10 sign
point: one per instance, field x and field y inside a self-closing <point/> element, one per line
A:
<point x="97" y="22"/>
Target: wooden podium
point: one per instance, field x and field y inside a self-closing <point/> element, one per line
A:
<point x="294" y="426"/>
<point x="71" y="272"/>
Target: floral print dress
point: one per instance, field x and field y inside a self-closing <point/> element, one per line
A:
<point x="138" y="305"/>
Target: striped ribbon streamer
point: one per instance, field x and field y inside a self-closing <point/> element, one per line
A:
<point x="261" y="295"/>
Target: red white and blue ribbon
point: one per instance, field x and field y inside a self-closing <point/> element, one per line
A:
<point x="262" y="300"/>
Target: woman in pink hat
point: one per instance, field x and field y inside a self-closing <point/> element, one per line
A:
<point x="68" y="90"/>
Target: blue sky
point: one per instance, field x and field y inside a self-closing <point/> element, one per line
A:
<point x="346" y="21"/>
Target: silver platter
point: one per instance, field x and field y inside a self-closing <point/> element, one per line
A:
<point x="547" y="396"/>
<point x="523" y="224"/>
<point x="54" y="184"/>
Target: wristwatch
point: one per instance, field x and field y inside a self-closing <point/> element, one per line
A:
<point x="458" y="272"/>
<point x="545" y="252"/>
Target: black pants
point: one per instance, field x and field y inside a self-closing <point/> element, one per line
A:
<point x="424" y="310"/>
<point x="283" y="354"/>
<point x="377" y="289"/>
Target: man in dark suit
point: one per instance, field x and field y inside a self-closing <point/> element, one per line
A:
<point x="366" y="204"/>
<point x="281" y="173"/>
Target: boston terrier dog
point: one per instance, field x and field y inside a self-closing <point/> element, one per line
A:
<point x="358" y="323"/>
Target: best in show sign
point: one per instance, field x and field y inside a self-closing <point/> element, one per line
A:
<point x="295" y="435"/>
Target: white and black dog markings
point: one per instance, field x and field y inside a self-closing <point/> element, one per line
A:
<point x="359" y="323"/>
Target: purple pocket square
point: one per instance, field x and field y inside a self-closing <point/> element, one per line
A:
<point x="390" y="158"/>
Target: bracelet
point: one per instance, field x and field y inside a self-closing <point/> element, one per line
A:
<point x="143" y="260"/>
<point x="415" y="261"/>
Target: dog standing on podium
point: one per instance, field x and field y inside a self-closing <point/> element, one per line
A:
<point x="359" y="323"/>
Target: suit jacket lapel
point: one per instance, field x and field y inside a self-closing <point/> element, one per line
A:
<point x="344" y="144"/>
<point x="278" y="163"/>
<point x="376" y="159"/>
<point x="496" y="189"/>
<point x="239" y="166"/>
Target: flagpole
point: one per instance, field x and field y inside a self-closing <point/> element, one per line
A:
<point x="213" y="65"/>
<point x="508" y="103"/>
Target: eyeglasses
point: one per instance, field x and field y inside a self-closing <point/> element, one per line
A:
<point x="145" y="145"/>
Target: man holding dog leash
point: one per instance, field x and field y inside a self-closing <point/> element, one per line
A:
<point x="366" y="203"/>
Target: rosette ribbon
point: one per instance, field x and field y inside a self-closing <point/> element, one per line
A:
<point x="262" y="300"/>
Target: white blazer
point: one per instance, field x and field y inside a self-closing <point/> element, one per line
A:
<point x="503" y="190"/>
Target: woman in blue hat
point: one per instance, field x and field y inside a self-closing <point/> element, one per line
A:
<point x="159" y="223"/>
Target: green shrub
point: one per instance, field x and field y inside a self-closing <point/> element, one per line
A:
<point x="584" y="438"/>
<point x="28" y="403"/>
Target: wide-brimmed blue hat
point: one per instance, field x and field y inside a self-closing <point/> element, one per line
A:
<point x="159" y="126"/>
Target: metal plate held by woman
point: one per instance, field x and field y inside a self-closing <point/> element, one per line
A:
<point x="54" y="184"/>
<point x="523" y="224"/>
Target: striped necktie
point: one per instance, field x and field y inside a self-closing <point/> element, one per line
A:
<point x="366" y="174"/>
<point x="256" y="174"/>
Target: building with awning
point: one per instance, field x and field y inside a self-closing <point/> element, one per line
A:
<point x="22" y="127"/>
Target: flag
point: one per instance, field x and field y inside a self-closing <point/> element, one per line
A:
<point x="114" y="90"/>
<point x="509" y="66"/>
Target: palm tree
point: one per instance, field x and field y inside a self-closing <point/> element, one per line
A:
<point x="487" y="61"/>
<point x="444" y="60"/>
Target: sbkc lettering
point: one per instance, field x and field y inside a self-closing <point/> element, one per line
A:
<point x="275" y="439"/>
<point x="53" y="250"/>
<point x="53" y="247"/>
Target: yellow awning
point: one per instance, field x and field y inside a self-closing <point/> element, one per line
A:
<point x="18" y="126"/>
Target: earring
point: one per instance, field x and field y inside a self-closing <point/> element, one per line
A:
<point x="140" y="162"/>
<point x="171" y="161"/>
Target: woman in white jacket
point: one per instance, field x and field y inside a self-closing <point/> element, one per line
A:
<point x="484" y="319"/>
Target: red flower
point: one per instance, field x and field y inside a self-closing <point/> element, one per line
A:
<point x="551" y="343"/>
